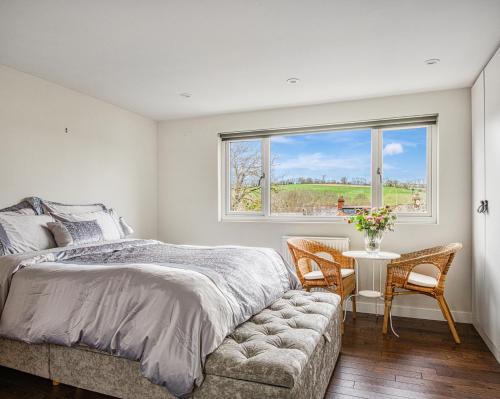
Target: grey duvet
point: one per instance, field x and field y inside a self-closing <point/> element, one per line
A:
<point x="163" y="305"/>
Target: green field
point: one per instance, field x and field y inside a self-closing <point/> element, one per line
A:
<point x="353" y="195"/>
<point x="317" y="198"/>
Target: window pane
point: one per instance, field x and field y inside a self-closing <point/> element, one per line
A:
<point x="315" y="174"/>
<point x="245" y="163"/>
<point x="405" y="169"/>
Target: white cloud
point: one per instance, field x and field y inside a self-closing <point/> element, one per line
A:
<point x="283" y="140"/>
<point x="393" y="149"/>
<point x="319" y="162"/>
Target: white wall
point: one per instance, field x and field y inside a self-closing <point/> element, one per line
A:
<point x="188" y="181"/>
<point x="109" y="155"/>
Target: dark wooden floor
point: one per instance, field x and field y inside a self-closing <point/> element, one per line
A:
<point x="423" y="364"/>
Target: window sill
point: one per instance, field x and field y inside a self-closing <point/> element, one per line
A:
<point x="426" y="220"/>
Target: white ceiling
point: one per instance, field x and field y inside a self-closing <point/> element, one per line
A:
<point x="235" y="55"/>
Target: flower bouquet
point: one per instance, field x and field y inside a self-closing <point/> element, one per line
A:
<point x="373" y="223"/>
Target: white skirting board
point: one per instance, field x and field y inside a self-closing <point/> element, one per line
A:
<point x="491" y="346"/>
<point x="410" y="311"/>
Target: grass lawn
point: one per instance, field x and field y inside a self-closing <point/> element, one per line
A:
<point x="295" y="198"/>
<point x="354" y="195"/>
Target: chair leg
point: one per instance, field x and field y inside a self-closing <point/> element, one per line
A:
<point x="353" y="301"/>
<point x="449" y="317"/>
<point x="387" y="312"/>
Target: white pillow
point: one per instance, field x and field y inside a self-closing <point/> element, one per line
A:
<point x="126" y="228"/>
<point x="21" y="208"/>
<point x="106" y="219"/>
<point x="68" y="209"/>
<point x="24" y="233"/>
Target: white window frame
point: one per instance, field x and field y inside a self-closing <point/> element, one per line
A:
<point x="226" y="214"/>
<point x="430" y="216"/>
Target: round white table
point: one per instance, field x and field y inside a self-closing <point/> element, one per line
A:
<point x="377" y="258"/>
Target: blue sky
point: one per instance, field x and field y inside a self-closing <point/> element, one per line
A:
<point x="405" y="154"/>
<point x="337" y="154"/>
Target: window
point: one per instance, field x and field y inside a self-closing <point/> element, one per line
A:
<point x="328" y="173"/>
<point x="405" y="170"/>
<point x="245" y="176"/>
<point x="311" y="172"/>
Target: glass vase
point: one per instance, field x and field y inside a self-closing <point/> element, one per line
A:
<point x="373" y="240"/>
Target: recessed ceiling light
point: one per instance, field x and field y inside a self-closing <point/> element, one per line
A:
<point x="292" y="81"/>
<point x="185" y="95"/>
<point x="432" y="61"/>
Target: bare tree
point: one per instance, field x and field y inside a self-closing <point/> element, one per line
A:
<point x="246" y="173"/>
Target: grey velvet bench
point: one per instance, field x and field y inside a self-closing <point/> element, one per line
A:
<point x="288" y="351"/>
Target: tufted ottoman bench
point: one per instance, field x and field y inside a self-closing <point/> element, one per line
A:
<point x="288" y="350"/>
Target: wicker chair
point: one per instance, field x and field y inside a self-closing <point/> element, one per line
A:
<point x="400" y="275"/>
<point x="336" y="275"/>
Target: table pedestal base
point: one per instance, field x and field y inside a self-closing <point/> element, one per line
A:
<point x="373" y="293"/>
<point x="369" y="294"/>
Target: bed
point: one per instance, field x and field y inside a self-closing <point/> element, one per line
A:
<point x="140" y="318"/>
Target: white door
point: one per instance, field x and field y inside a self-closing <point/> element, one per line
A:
<point x="478" y="195"/>
<point x="491" y="322"/>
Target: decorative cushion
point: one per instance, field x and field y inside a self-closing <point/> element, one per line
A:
<point x="107" y="220"/>
<point x="422" y="280"/>
<point x="274" y="346"/>
<point x="316" y="274"/>
<point x="75" y="233"/>
<point x="24" y="233"/>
